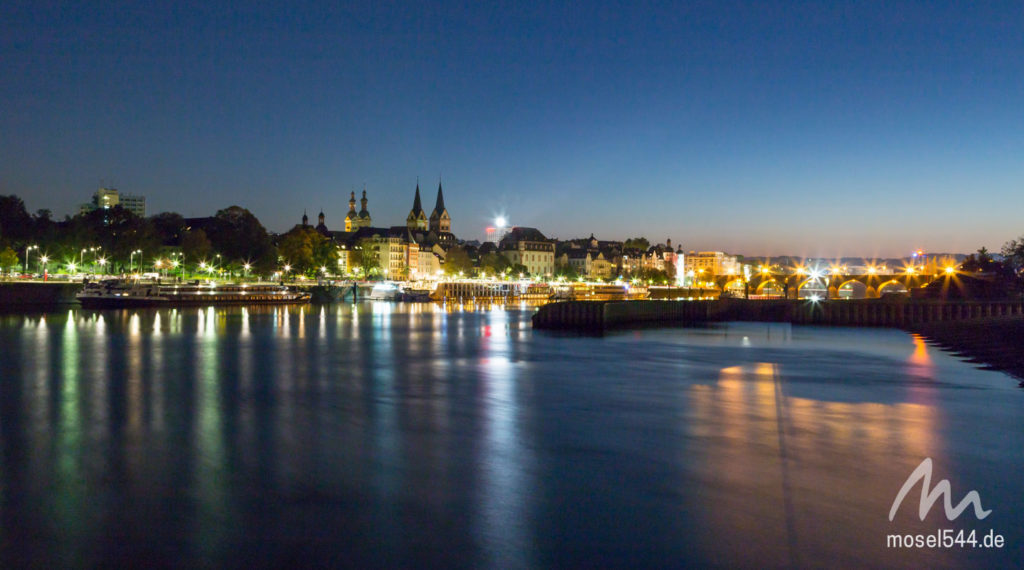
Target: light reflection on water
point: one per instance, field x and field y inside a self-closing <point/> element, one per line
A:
<point x="383" y="434"/>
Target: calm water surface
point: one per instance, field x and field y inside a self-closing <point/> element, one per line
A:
<point x="410" y="435"/>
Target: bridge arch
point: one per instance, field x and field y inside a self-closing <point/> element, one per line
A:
<point x="893" y="286"/>
<point x="735" y="287"/>
<point x="853" y="289"/>
<point x="812" y="287"/>
<point x="770" y="287"/>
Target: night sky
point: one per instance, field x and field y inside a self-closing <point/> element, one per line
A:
<point x="814" y="128"/>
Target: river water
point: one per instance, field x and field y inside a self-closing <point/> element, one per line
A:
<point x="417" y="435"/>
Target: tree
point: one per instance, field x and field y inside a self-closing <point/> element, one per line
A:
<point x="169" y="227"/>
<point x="494" y="263"/>
<point x="637" y="243"/>
<point x="297" y="250"/>
<point x="457" y="261"/>
<point x="982" y="262"/>
<point x="365" y="257"/>
<point x="119" y="232"/>
<point x="670" y="272"/>
<point x="1013" y="254"/>
<point x="195" y="246"/>
<point x="568" y="272"/>
<point x="307" y="250"/>
<point x="15" y="221"/>
<point x="654" y="276"/>
<point x="8" y="260"/>
<point x="238" y="235"/>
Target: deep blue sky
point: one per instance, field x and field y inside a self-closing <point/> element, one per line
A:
<point x="816" y="128"/>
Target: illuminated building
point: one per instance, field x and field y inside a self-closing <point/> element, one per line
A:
<point x="106" y="198"/>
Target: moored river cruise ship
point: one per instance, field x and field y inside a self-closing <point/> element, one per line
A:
<point x="119" y="293"/>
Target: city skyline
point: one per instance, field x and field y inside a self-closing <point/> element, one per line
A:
<point x="760" y="129"/>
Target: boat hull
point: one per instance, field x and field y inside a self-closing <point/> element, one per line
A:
<point x="130" y="302"/>
<point x="117" y="294"/>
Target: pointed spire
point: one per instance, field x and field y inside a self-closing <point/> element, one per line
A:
<point x="417" y="206"/>
<point x="439" y="207"/>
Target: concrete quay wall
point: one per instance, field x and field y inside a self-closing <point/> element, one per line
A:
<point x="16" y="295"/>
<point x="597" y="316"/>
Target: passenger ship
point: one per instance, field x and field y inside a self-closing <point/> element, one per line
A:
<point x="120" y="293"/>
<point x="454" y="290"/>
<point x="608" y="292"/>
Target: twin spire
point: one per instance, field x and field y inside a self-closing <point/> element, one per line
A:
<point x="354" y="221"/>
<point x="439" y="221"/>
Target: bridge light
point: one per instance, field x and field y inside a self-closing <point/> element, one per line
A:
<point x="949" y="270"/>
<point x="835" y="271"/>
<point x="910" y="271"/>
<point x="872" y="270"/>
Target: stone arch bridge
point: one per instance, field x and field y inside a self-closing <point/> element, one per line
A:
<point x="831" y="286"/>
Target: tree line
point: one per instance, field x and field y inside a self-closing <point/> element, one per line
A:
<point x="115" y="240"/>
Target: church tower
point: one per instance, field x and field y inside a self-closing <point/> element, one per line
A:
<point x="351" y="218"/>
<point x="440" y="221"/>
<point x="364" y="214"/>
<point x="305" y="219"/>
<point x="321" y="226"/>
<point x="417" y="218"/>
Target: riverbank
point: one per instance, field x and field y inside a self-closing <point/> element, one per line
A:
<point x="996" y="343"/>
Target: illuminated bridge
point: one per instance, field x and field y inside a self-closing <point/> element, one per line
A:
<point x="820" y="285"/>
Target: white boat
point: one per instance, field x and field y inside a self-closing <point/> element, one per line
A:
<point x="383" y="291"/>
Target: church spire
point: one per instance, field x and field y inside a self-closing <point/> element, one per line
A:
<point x="440" y="221"/>
<point x="439" y="207"/>
<point x="364" y="214"/>
<point x="417" y="206"/>
<point x="351" y="218"/>
<point x="417" y="218"/>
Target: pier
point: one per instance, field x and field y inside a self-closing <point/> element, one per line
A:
<point x="596" y="316"/>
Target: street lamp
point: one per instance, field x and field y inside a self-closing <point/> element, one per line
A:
<point x="103" y="264"/>
<point x="27" y="250"/>
<point x="44" y="259"/>
<point x="131" y="260"/>
<point x="95" y="251"/>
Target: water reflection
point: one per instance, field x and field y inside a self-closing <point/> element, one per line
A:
<point x="379" y="434"/>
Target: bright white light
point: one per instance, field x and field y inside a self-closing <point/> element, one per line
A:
<point x="500" y="221"/>
<point x="814" y="298"/>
